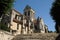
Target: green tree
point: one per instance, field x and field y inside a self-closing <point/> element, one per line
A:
<point x="55" y="13"/>
<point x="50" y="31"/>
<point x="5" y="6"/>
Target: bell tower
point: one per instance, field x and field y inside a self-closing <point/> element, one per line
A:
<point x="29" y="12"/>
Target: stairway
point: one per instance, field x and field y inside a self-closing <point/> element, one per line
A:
<point x="36" y="36"/>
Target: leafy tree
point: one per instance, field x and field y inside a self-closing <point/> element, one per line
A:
<point x="50" y="31"/>
<point x="4" y="27"/>
<point x="5" y="6"/>
<point x="55" y="13"/>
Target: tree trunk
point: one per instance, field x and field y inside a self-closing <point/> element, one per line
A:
<point x="57" y="27"/>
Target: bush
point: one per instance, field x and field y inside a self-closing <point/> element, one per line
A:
<point x="50" y="31"/>
<point x="4" y="27"/>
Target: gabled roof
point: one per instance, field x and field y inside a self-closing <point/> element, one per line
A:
<point x="17" y="12"/>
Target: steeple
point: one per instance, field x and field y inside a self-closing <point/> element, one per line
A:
<point x="29" y="12"/>
<point x="27" y="7"/>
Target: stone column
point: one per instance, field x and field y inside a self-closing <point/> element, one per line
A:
<point x="24" y="32"/>
<point x="29" y="26"/>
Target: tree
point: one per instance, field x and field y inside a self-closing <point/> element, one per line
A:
<point x="55" y="13"/>
<point x="5" y="6"/>
<point x="50" y="31"/>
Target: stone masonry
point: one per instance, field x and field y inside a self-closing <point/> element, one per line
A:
<point x="39" y="36"/>
<point x="5" y="35"/>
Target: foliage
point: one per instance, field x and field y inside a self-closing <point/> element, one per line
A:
<point x="5" y="6"/>
<point x="50" y="31"/>
<point x="4" y="27"/>
<point x="54" y="31"/>
<point x="55" y="13"/>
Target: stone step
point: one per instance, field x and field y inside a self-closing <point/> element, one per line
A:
<point x="36" y="36"/>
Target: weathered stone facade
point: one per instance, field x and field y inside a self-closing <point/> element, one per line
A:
<point x="25" y="23"/>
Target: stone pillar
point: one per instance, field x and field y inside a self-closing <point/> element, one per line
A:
<point x="24" y="28"/>
<point x="29" y="26"/>
<point x="33" y="27"/>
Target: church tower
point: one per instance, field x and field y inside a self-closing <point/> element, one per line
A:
<point x="29" y="12"/>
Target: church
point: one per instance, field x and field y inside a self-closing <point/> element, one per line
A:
<point x="25" y="23"/>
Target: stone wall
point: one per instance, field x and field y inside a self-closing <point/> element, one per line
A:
<point x="39" y="36"/>
<point x="36" y="36"/>
<point x="5" y="35"/>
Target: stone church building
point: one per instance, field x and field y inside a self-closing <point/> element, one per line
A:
<point x="25" y="23"/>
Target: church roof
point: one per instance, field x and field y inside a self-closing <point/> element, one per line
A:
<point x="27" y="7"/>
<point x="18" y="12"/>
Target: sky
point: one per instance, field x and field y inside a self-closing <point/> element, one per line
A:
<point x="41" y="8"/>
